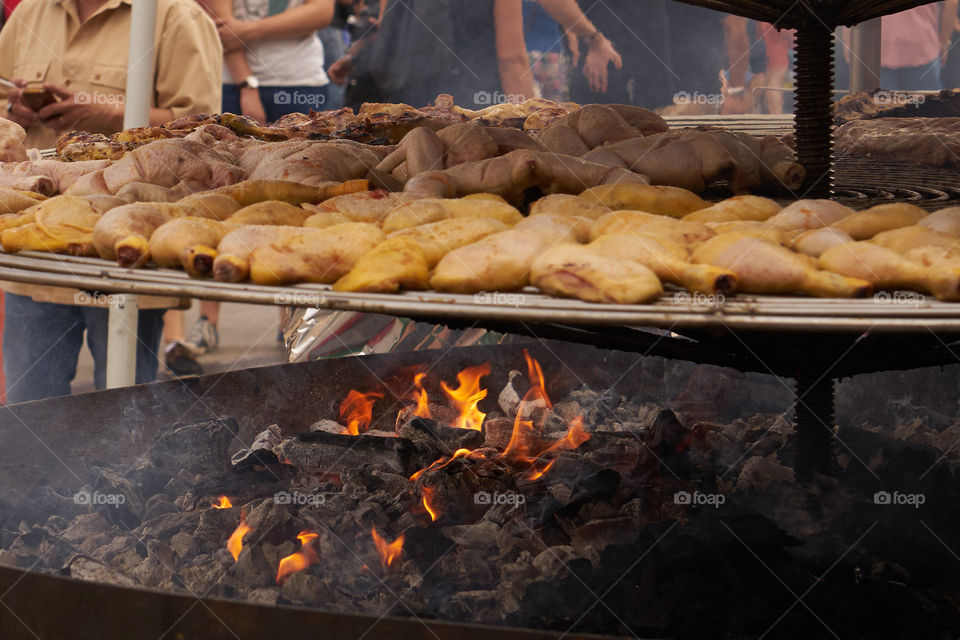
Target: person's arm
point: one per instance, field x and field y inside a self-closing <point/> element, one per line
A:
<point x="738" y="49"/>
<point x="948" y="24"/>
<point x="512" y="60"/>
<point x="297" y="22"/>
<point x="600" y="51"/>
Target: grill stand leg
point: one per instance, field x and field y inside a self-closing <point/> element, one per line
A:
<point x="814" y="107"/>
<point x="814" y="419"/>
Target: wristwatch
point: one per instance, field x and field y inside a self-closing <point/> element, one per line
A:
<point x="250" y="81"/>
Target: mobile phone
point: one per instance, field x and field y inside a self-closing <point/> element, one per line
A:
<point x="37" y="98"/>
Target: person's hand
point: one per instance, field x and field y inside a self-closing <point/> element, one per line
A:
<point x="599" y="54"/>
<point x="340" y="70"/>
<point x="17" y="110"/>
<point x="80" y="111"/>
<point x="233" y="34"/>
<point x="251" y="106"/>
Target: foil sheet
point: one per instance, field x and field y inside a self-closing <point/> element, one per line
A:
<point x="318" y="334"/>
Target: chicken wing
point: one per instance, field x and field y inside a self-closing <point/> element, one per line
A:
<point x="576" y="271"/>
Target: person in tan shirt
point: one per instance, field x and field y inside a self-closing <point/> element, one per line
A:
<point x="78" y="51"/>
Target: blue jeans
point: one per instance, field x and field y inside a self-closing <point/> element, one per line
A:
<point x="923" y="78"/>
<point x="42" y="341"/>
<point x="279" y="101"/>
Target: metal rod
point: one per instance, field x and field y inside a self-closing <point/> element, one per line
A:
<point x="865" y="56"/>
<point x="139" y="91"/>
<point x="122" y="321"/>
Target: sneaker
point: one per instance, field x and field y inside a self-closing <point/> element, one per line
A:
<point x="180" y="360"/>
<point x="202" y="338"/>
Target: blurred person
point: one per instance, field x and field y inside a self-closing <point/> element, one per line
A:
<point x="911" y="50"/>
<point x="183" y="349"/>
<point x="779" y="45"/>
<point x="44" y="327"/>
<point x="473" y="50"/>
<point x="333" y="38"/>
<point x="698" y="50"/>
<point x="641" y="73"/>
<point x="548" y="60"/>
<point x="273" y="58"/>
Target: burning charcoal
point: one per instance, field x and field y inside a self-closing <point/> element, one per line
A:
<point x="260" y="452"/>
<point x="158" y="505"/>
<point x="165" y="526"/>
<point x="763" y="472"/>
<point x="556" y="562"/>
<point x="598" y="534"/>
<point x="445" y="440"/>
<point x="86" y="568"/>
<point x="119" y="545"/>
<point x="509" y="397"/>
<point x="322" y="452"/>
<point x="370" y="514"/>
<point x="253" y="568"/>
<point x="184" y="545"/>
<point x="7" y="558"/>
<point x="56" y="524"/>
<point x="207" y="572"/>
<point x="570" y="410"/>
<point x="273" y="520"/>
<point x="200" y="446"/>
<point x="213" y="526"/>
<point x="479" y="605"/>
<point x="266" y="596"/>
<point x="481" y="536"/>
<point x="305" y="588"/>
<point x="330" y="426"/>
<point x="497" y="432"/>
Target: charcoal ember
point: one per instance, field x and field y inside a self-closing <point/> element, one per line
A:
<point x="497" y="432"/>
<point x="56" y="524"/>
<point x="265" y="596"/>
<point x="330" y="453"/>
<point x="214" y="526"/>
<point x="556" y="561"/>
<point x="887" y="570"/>
<point x="589" y="539"/>
<point x="305" y="588"/>
<point x="434" y="436"/>
<point x="158" y="505"/>
<point x="509" y="397"/>
<point x="168" y="524"/>
<point x="252" y="567"/>
<point x="184" y="545"/>
<point x="481" y="536"/>
<point x="260" y="453"/>
<point x="117" y="546"/>
<point x="554" y="423"/>
<point x="369" y="515"/>
<point x="516" y="544"/>
<point x="662" y="429"/>
<point x="164" y="555"/>
<point x="463" y="490"/>
<point x="480" y="605"/>
<point x="502" y="512"/>
<point x="206" y="572"/>
<point x="7" y="558"/>
<point x="274" y="552"/>
<point x="763" y="472"/>
<point x="569" y="410"/>
<point x="595" y="405"/>
<point x="606" y="450"/>
<point x="330" y="426"/>
<point x="86" y="568"/>
<point x="273" y="522"/>
<point x="198" y="447"/>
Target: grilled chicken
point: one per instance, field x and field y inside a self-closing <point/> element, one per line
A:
<point x="437" y="239"/>
<point x="364" y="206"/>
<point x="764" y="267"/>
<point x="12" y="136"/>
<point x="662" y="200"/>
<point x="427" y="210"/>
<point x="746" y="208"/>
<point x="669" y="261"/>
<point x="567" y="205"/>
<point x="313" y="255"/>
<point x="887" y="269"/>
<point x="13" y="201"/>
<point x="946" y="221"/>
<point x="804" y="215"/>
<point x="681" y="232"/>
<point x="230" y="261"/>
<point x="271" y="212"/>
<point x="814" y="242"/>
<point x="171" y="244"/>
<point x="397" y="263"/>
<point x="577" y="271"/>
<point x="863" y="225"/>
<point x="904" y="239"/>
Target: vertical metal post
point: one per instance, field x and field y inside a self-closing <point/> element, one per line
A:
<point x="140" y="62"/>
<point x="814" y="107"/>
<point x="865" y="53"/>
<point x="122" y="341"/>
<point x="122" y="319"/>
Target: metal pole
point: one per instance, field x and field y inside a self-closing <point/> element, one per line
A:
<point x="122" y="341"/>
<point x="865" y="52"/>
<point x="122" y="318"/>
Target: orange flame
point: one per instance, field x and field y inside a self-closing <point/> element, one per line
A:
<point x="301" y="560"/>
<point x="427" y="498"/>
<point x="235" y="541"/>
<point x="466" y="396"/>
<point x="440" y="464"/>
<point x="423" y="403"/>
<point x="356" y="411"/>
<point x="388" y="551"/>
<point x="223" y="504"/>
<point x="535" y="374"/>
